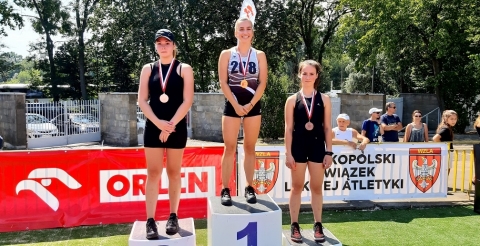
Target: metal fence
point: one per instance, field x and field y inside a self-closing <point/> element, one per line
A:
<point x="61" y="123"/>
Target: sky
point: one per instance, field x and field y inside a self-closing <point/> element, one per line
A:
<point x="18" y="40"/>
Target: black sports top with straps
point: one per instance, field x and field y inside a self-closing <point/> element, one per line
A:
<point x="300" y="117"/>
<point x="174" y="90"/>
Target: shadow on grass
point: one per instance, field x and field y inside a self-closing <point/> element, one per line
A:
<point x="393" y="215"/>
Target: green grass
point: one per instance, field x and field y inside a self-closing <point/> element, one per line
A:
<point x="429" y="226"/>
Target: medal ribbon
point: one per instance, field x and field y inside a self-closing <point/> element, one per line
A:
<point x="244" y="71"/>
<point x="309" y="111"/>
<point x="163" y="82"/>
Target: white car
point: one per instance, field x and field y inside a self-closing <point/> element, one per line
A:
<point x="140" y="123"/>
<point x="39" y="126"/>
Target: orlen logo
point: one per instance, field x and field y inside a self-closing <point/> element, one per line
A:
<point x="129" y="185"/>
<point x="38" y="188"/>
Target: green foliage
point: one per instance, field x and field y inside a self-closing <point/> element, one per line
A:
<point x="8" y="17"/>
<point x="273" y="103"/>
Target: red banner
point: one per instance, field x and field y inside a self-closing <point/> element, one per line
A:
<point x="48" y="189"/>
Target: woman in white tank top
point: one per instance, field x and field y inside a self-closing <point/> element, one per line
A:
<point x="342" y="135"/>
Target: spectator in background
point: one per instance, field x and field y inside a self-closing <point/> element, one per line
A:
<point x="342" y="134"/>
<point x="445" y="130"/>
<point x="390" y="122"/>
<point x="371" y="127"/>
<point x="1" y="143"/>
<point x="477" y="127"/>
<point x="416" y="131"/>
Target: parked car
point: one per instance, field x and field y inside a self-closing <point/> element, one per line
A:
<point x="76" y="123"/>
<point x="38" y="126"/>
<point x="140" y="123"/>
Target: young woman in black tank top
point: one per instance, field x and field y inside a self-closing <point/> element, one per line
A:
<point x="308" y="144"/>
<point x="165" y="95"/>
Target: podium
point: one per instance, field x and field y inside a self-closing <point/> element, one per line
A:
<point x="184" y="237"/>
<point x="244" y="224"/>
<point x="308" y="240"/>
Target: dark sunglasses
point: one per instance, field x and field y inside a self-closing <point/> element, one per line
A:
<point x="393" y="107"/>
<point x="377" y="112"/>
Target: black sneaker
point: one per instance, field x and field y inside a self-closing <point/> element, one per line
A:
<point x="318" y="232"/>
<point x="295" y="235"/>
<point x="250" y="194"/>
<point x="152" y="232"/>
<point x="172" y="225"/>
<point x="225" y="197"/>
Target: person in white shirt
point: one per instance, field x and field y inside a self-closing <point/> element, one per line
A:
<point x="344" y="135"/>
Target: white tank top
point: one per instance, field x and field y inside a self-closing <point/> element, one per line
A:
<point x="343" y="135"/>
<point x="235" y="72"/>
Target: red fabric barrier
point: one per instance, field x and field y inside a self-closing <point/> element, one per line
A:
<point x="48" y="189"/>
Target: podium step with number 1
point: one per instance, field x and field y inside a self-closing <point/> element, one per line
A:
<point x="244" y="224"/>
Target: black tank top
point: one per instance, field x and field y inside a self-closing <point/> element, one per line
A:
<point x="174" y="90"/>
<point x="300" y="117"/>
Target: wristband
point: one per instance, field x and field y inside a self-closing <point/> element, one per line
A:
<point x="329" y="153"/>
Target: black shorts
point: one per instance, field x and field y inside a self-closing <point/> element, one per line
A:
<point x="176" y="140"/>
<point x="308" y="149"/>
<point x="230" y="111"/>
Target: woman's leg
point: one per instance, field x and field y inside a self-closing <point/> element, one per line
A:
<point x="154" y="159"/>
<point x="230" y="128"/>
<point x="298" y="181"/>
<point x="251" y="129"/>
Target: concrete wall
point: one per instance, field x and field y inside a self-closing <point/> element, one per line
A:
<point x="207" y="112"/>
<point x="423" y="102"/>
<point x="118" y="121"/>
<point x="356" y="105"/>
<point x="13" y="125"/>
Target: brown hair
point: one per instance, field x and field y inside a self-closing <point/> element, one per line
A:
<point x="388" y="105"/>
<point x="446" y="114"/>
<point x="313" y="63"/>
<point x="415" y="112"/>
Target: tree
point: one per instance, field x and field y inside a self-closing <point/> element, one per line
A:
<point x="273" y="102"/>
<point x="83" y="10"/>
<point x="50" y="20"/>
<point x="9" y="18"/>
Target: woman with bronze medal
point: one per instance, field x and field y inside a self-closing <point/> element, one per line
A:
<point x="165" y="95"/>
<point x="242" y="71"/>
<point x="308" y="144"/>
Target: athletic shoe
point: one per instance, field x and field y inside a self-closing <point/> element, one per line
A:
<point x="250" y="194"/>
<point x="318" y="232"/>
<point x="225" y="197"/>
<point x="172" y="225"/>
<point x="295" y="235"/>
<point x="152" y="232"/>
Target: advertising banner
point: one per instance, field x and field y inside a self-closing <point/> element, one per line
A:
<point x="381" y="171"/>
<point x="48" y="189"/>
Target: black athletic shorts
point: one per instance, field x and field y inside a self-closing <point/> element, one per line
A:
<point x="230" y="111"/>
<point x="176" y="140"/>
<point x="308" y="149"/>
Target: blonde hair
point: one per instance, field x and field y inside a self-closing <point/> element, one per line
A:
<point x="477" y="121"/>
<point x="444" y="124"/>
<point x="242" y="20"/>
<point x="317" y="67"/>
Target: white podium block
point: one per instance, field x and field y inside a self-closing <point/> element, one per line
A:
<point x="184" y="237"/>
<point x="244" y="224"/>
<point x="308" y="240"/>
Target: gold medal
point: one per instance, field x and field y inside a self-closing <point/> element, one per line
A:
<point x="309" y="126"/>
<point x="164" y="98"/>
<point x="244" y="84"/>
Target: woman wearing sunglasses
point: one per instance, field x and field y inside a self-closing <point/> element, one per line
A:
<point x="416" y="131"/>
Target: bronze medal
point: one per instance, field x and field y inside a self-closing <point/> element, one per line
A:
<point x="164" y="98"/>
<point x="309" y="126"/>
